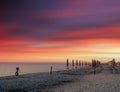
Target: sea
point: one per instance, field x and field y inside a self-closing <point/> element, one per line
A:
<point x="8" y="69"/>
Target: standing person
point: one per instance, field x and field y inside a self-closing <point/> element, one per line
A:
<point x="113" y="62"/>
<point x="114" y="65"/>
<point x="17" y="71"/>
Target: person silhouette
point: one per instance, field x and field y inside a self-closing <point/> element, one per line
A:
<point x="17" y="71"/>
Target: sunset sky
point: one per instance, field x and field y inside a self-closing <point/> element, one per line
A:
<point x="53" y="30"/>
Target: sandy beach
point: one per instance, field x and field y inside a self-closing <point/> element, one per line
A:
<point x="101" y="82"/>
<point x="80" y="80"/>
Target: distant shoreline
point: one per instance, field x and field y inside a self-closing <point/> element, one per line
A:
<point x="8" y="69"/>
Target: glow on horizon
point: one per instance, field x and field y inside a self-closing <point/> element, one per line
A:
<point x="103" y="49"/>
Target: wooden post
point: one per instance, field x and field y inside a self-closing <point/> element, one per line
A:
<point x="51" y="70"/>
<point x="79" y="63"/>
<point x="82" y="63"/>
<point x="94" y="66"/>
<point x="67" y="63"/>
<point x="73" y="64"/>
<point x="94" y="72"/>
<point x="76" y="64"/>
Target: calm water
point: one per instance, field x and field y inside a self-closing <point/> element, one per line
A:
<point x="7" y="69"/>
